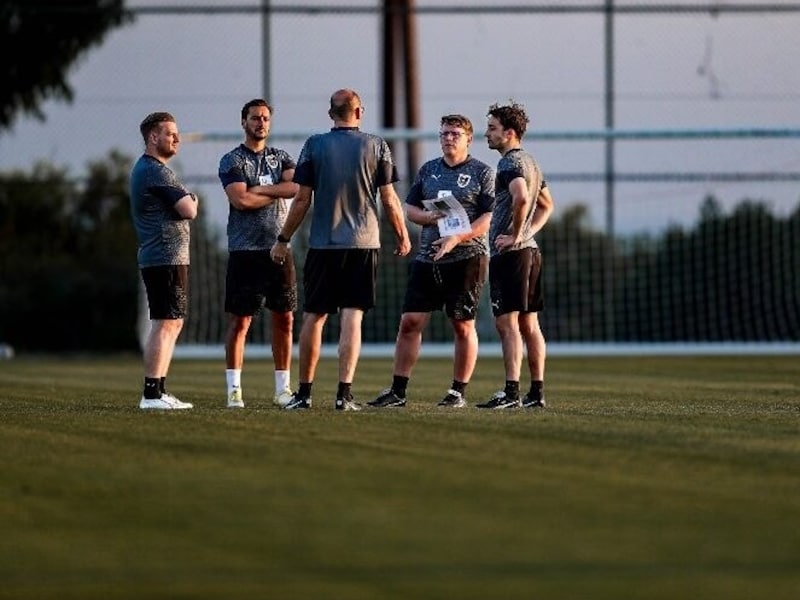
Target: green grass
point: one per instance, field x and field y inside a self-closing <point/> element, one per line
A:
<point x="645" y="478"/>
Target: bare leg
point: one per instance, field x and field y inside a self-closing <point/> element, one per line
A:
<point x="466" y="349"/>
<point x="511" y="340"/>
<point x="282" y="340"/>
<point x="534" y="342"/>
<point x="235" y="338"/>
<point x="349" y="343"/>
<point x="160" y="346"/>
<point x="409" y="340"/>
<point x="310" y="345"/>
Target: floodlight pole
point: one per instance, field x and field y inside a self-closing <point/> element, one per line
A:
<point x="608" y="263"/>
<point x="266" y="58"/>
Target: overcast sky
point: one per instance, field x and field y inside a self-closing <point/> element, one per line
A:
<point x="675" y="71"/>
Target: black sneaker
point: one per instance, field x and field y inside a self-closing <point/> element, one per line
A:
<point x="298" y="402"/>
<point x="528" y="402"/>
<point x="346" y="403"/>
<point x="453" y="399"/>
<point x="387" y="399"/>
<point x="500" y="400"/>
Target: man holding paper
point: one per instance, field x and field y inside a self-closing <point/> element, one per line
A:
<point x="452" y="198"/>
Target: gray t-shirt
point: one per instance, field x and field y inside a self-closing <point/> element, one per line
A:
<point x="255" y="229"/>
<point x="515" y="163"/>
<point x="472" y="184"/>
<point x="162" y="233"/>
<point x="345" y="167"/>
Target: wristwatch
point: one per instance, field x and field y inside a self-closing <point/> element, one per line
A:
<point x="283" y="240"/>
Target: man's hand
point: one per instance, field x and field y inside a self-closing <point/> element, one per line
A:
<point x="278" y="252"/>
<point x="444" y="245"/>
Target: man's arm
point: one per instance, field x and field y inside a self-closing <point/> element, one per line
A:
<point x="259" y="196"/>
<point x="543" y="210"/>
<point x="186" y="207"/>
<point x="300" y="206"/>
<point x="285" y="188"/>
<point x="394" y="212"/>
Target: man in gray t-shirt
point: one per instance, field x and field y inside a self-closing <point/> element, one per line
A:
<point x="257" y="180"/>
<point x="343" y="171"/>
<point x="522" y="207"/>
<point x="161" y="208"/>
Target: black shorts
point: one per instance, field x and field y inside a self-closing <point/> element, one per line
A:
<point x="167" y="288"/>
<point x="515" y="281"/>
<point x="334" y="279"/>
<point x="456" y="286"/>
<point x="253" y="281"/>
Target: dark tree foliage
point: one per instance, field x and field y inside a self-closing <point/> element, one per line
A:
<point x="729" y="278"/>
<point x="43" y="39"/>
<point x="69" y="279"/>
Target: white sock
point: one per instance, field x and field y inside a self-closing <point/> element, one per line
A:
<point x="281" y="381"/>
<point x="234" y="379"/>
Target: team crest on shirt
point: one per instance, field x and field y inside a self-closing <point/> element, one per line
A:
<point x="272" y="161"/>
<point x="463" y="180"/>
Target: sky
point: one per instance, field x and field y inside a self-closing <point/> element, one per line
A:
<point x="679" y="71"/>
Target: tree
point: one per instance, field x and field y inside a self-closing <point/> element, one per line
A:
<point x="43" y="39"/>
<point x="69" y="280"/>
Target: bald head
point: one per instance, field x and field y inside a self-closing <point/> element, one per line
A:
<point x="346" y="109"/>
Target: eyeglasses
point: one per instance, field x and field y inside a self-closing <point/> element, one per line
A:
<point x="451" y="134"/>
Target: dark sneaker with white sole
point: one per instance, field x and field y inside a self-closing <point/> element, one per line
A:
<point x="347" y="404"/>
<point x="387" y="399"/>
<point x="500" y="400"/>
<point x="453" y="399"/>
<point x="528" y="402"/>
<point x="298" y="403"/>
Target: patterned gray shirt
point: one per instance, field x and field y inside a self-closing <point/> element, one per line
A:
<point x="345" y="167"/>
<point x="515" y="163"/>
<point x="255" y="229"/>
<point x="162" y="233"/>
<point x="472" y="184"/>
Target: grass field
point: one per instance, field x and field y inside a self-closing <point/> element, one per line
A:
<point x="671" y="478"/>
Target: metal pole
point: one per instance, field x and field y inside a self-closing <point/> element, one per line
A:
<point x="608" y="279"/>
<point x="388" y="73"/>
<point x="411" y="71"/>
<point x="266" y="57"/>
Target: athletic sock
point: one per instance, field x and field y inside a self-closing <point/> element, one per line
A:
<point x="399" y="385"/>
<point x="162" y="385"/>
<point x="281" y="381"/>
<point x="459" y="386"/>
<point x="152" y="389"/>
<point x="304" y="390"/>
<point x="512" y="389"/>
<point x="343" y="391"/>
<point x="537" y="390"/>
<point x="233" y="377"/>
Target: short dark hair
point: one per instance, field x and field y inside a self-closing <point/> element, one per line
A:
<point x="152" y="121"/>
<point x="458" y="121"/>
<point x="511" y="116"/>
<point x="255" y="102"/>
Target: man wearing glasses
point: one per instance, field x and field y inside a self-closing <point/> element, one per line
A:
<point x="450" y="268"/>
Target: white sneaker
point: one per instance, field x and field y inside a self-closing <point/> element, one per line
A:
<point x="283" y="398"/>
<point x="235" y="399"/>
<point x="165" y="402"/>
